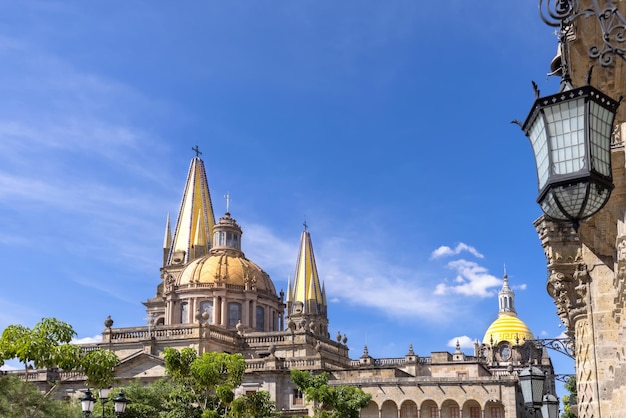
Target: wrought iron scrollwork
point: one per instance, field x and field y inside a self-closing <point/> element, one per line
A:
<point x="562" y="13"/>
<point x="562" y="345"/>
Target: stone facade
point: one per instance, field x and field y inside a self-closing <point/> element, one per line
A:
<point x="587" y="268"/>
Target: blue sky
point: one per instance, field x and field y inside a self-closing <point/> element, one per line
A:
<point x="386" y="125"/>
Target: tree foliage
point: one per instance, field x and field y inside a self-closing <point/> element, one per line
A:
<point x="254" y="405"/>
<point x="330" y="401"/>
<point x="570" y="386"/>
<point x="205" y="384"/>
<point x="19" y="399"/>
<point x="48" y="345"/>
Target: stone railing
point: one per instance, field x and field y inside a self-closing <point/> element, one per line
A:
<point x="393" y="361"/>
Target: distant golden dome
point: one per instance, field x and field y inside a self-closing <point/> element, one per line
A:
<point x="507" y="328"/>
<point x="228" y="267"/>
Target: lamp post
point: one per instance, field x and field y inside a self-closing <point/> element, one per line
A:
<point x="103" y="394"/>
<point x="87" y="403"/>
<point x="119" y="403"/>
<point x="550" y="406"/>
<point x="532" y="380"/>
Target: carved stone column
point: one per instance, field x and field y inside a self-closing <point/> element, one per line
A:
<point x="567" y="273"/>
<point x="568" y="283"/>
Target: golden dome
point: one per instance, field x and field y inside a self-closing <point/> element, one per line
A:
<point x="507" y="328"/>
<point x="231" y="268"/>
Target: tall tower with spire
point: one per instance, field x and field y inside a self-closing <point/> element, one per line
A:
<point x="306" y="297"/>
<point x="205" y="275"/>
<point x="194" y="226"/>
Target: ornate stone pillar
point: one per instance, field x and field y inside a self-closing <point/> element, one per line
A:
<point x="568" y="283"/>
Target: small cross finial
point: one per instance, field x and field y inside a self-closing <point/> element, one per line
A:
<point x="305" y="225"/>
<point x="227" y="197"/>
<point x="197" y="150"/>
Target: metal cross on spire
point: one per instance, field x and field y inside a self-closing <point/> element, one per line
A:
<point x="227" y="197"/>
<point x="197" y="150"/>
<point x="305" y="225"/>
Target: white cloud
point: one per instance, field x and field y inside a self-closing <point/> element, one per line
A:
<point x="464" y="341"/>
<point x="366" y="278"/>
<point x="87" y="340"/>
<point x="445" y="251"/>
<point x="471" y="280"/>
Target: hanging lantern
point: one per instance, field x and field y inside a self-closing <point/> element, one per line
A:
<point x="532" y="380"/>
<point x="570" y="133"/>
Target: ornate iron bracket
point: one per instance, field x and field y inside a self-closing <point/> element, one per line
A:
<point x="563" y="377"/>
<point x="562" y="345"/>
<point x="562" y="13"/>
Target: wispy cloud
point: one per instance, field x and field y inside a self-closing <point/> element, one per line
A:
<point x="445" y="251"/>
<point x="471" y="280"/>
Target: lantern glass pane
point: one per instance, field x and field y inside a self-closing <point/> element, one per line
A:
<point x="120" y="407"/>
<point x="600" y="125"/>
<point x="598" y="195"/>
<point x="565" y="126"/>
<point x="537" y="136"/>
<point x="549" y="207"/>
<point x="538" y="383"/>
<point x="572" y="198"/>
<point x="526" y="392"/>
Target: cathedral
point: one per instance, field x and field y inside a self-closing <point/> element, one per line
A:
<point x="212" y="298"/>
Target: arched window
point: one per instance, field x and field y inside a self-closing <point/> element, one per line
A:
<point x="184" y="313"/>
<point x="260" y="318"/>
<point x="234" y="314"/>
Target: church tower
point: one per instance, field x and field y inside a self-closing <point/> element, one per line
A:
<point x="306" y="297"/>
<point x="194" y="226"/>
<point x="205" y="276"/>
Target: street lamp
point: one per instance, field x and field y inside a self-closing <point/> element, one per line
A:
<point x="103" y="394"/>
<point x="532" y="380"/>
<point x="119" y="403"/>
<point x="550" y="406"/>
<point x="87" y="403"/>
<point x="570" y="133"/>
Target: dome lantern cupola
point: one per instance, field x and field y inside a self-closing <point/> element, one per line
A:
<point x="506" y="297"/>
<point x="507" y="327"/>
<point x="227" y="234"/>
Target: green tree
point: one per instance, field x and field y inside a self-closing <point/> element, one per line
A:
<point x="19" y="399"/>
<point x="254" y="405"/>
<point x="205" y="383"/>
<point x="147" y="400"/>
<point x="570" y="386"/>
<point x="46" y="346"/>
<point x="330" y="401"/>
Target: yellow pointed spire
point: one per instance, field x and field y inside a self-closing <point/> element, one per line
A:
<point x="306" y="283"/>
<point x="194" y="226"/>
<point x="167" y="240"/>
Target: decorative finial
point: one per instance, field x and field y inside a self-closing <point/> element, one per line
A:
<point x="228" y="199"/>
<point x="108" y="322"/>
<point x="197" y="150"/>
<point x="305" y="225"/>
